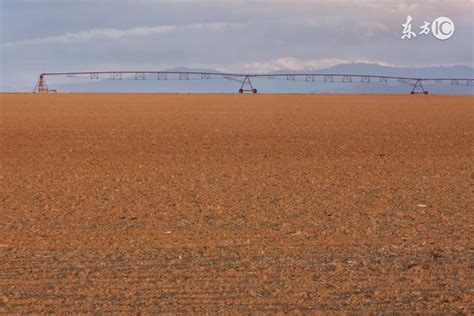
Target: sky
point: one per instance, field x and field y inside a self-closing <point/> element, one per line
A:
<point x="230" y="35"/>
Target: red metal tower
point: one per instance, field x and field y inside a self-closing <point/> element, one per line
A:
<point x="41" y="86"/>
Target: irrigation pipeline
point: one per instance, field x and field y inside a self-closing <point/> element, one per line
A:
<point x="416" y="84"/>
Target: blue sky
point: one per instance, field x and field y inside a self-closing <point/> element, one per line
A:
<point x="235" y="35"/>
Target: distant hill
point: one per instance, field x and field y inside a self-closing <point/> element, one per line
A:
<point x="284" y="86"/>
<point x="375" y="69"/>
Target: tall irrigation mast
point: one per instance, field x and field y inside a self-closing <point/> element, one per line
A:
<point x="416" y="84"/>
<point x="41" y="85"/>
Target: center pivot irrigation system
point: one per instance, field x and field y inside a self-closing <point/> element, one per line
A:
<point x="416" y="84"/>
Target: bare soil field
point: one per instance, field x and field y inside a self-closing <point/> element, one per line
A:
<point x="127" y="203"/>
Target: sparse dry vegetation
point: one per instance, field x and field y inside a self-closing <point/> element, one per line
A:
<point x="237" y="203"/>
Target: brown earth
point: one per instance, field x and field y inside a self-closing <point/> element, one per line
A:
<point x="236" y="203"/>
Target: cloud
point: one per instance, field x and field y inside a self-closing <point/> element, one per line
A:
<point x="290" y="63"/>
<point x="371" y="29"/>
<point x="112" y="33"/>
<point x="301" y="64"/>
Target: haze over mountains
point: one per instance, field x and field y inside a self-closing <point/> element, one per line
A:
<point x="281" y="86"/>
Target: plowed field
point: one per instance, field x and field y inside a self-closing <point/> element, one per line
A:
<point x="123" y="203"/>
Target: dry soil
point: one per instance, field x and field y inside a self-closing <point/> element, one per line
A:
<point x="126" y="203"/>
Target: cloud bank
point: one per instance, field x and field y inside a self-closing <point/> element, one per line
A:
<point x="293" y="63"/>
<point x="112" y="33"/>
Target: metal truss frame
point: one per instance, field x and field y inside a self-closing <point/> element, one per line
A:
<point x="245" y="79"/>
